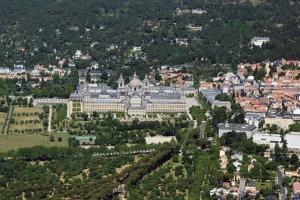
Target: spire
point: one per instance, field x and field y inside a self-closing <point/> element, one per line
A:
<point x="134" y="75"/>
<point x="146" y="78"/>
<point x="121" y="78"/>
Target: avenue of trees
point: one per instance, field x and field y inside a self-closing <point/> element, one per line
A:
<point x="50" y="169"/>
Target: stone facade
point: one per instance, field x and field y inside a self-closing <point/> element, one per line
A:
<point x="136" y="98"/>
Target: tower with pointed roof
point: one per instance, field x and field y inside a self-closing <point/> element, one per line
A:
<point x="146" y="84"/>
<point x="121" y="85"/>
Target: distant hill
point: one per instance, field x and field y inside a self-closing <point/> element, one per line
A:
<point x="215" y="31"/>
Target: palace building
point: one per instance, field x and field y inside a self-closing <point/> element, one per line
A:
<point x="136" y="98"/>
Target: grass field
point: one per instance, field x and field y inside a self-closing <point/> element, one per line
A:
<point x="15" y="141"/>
<point x="18" y="109"/>
<point x="18" y="116"/>
<point x="263" y="185"/>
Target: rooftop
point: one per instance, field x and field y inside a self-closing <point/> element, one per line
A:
<point x="236" y="127"/>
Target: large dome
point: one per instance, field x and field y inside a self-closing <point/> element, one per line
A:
<point x="135" y="82"/>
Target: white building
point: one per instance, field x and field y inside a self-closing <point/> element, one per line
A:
<point x="112" y="47"/>
<point x="182" y="41"/>
<point x="35" y="72"/>
<point x="19" y="69"/>
<point x="253" y="119"/>
<point x="293" y="140"/>
<point x="258" y="41"/>
<point x="78" y="54"/>
<point x="95" y="65"/>
<point x="198" y="11"/>
<point x="136" y="48"/>
<point x="136" y="98"/>
<point x="267" y="139"/>
<point x="4" y="70"/>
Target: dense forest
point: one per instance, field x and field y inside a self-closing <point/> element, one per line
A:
<point x="44" y="31"/>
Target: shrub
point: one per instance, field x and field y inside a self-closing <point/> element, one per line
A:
<point x="52" y="138"/>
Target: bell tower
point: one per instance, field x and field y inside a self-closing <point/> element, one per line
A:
<point x="121" y="87"/>
<point x="146" y="84"/>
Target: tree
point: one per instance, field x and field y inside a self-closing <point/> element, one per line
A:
<point x="30" y="102"/>
<point x="85" y="116"/>
<point x="261" y="123"/>
<point x="52" y="138"/>
<point x="104" y="76"/>
<point x="277" y="152"/>
<point x="286" y="181"/>
<point x="95" y="114"/>
<point x="219" y="114"/>
<point x="294" y="160"/>
<point x="88" y="77"/>
<point x="178" y="170"/>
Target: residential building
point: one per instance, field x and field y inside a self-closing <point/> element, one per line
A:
<point x="226" y="127"/>
<point x="296" y="187"/>
<point x="259" y="41"/>
<point x="281" y="121"/>
<point x="136" y="48"/>
<point x="182" y="41"/>
<point x="4" y="70"/>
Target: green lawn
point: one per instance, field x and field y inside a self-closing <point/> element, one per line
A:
<point x="15" y="141"/>
<point x="263" y="185"/>
<point x="18" y="109"/>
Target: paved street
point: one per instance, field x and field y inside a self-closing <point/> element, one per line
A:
<point x="202" y="126"/>
<point x="282" y="195"/>
<point x="191" y="102"/>
<point x="242" y="188"/>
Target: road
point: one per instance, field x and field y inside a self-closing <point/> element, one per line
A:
<point x="49" y="119"/>
<point x="242" y="188"/>
<point x="282" y="194"/>
<point x="8" y="120"/>
<point x="202" y="127"/>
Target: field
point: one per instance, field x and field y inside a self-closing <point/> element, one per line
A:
<point x="2" y="119"/>
<point x="26" y="119"/>
<point x="263" y="185"/>
<point x="18" y="109"/>
<point x="15" y="141"/>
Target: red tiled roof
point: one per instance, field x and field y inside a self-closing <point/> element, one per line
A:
<point x="296" y="187"/>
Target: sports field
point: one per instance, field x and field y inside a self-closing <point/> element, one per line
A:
<point x="15" y="141"/>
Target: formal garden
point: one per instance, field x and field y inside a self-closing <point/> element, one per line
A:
<point x="28" y="120"/>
